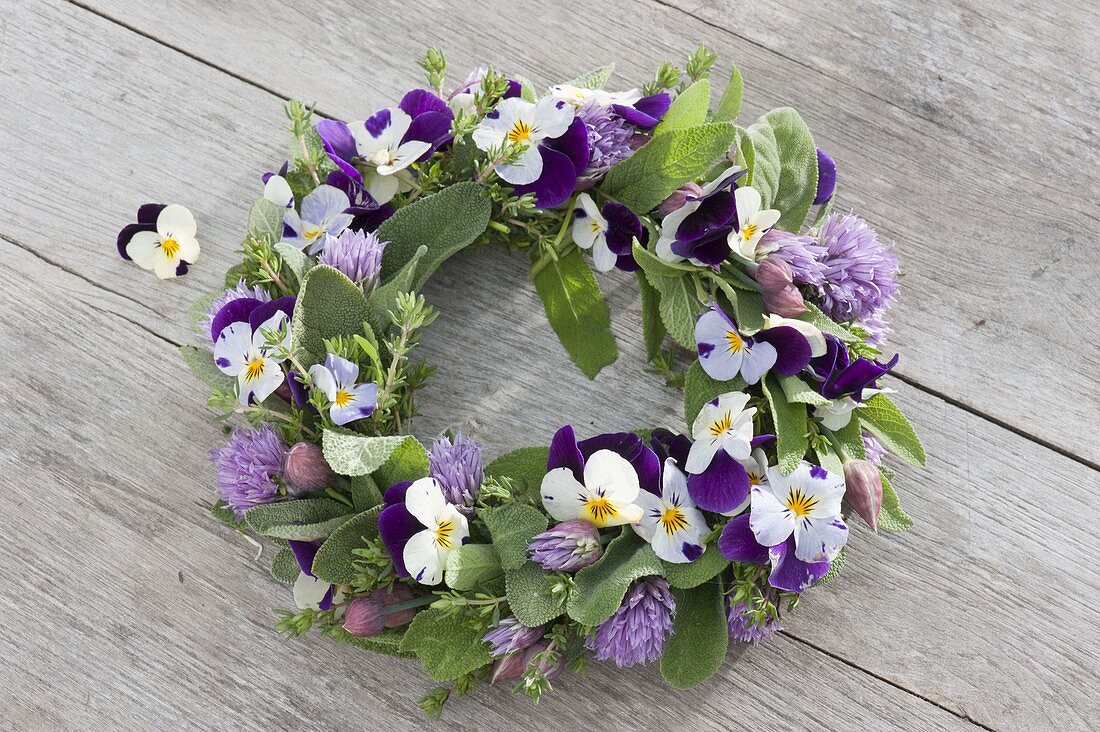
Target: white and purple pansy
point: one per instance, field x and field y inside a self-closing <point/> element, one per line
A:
<point x="311" y="593"/>
<point x="598" y="479"/>
<point x="723" y="439"/>
<point x="553" y="144"/>
<point x="725" y="352"/>
<point x="644" y="112"/>
<point x="242" y="346"/>
<point x="163" y="240"/>
<point x="420" y="528"/>
<point x="670" y="522"/>
<point x="794" y="523"/>
<point x="324" y="211"/>
<point x="846" y="383"/>
<point x="699" y="229"/>
<point x="752" y="222"/>
<point x="462" y="98"/>
<point x="609" y="233"/>
<point x="277" y="189"/>
<point x="337" y="381"/>
<point x="387" y="143"/>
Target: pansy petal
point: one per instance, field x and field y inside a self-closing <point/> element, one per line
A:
<point x="631" y="447"/>
<point x="176" y="221"/>
<point x="323" y="380"/>
<point x="612" y="474"/>
<point x="266" y="384"/>
<point x="232" y="346"/>
<point x="759" y="357"/>
<point x="573" y="144"/>
<point x="820" y="539"/>
<point x="340" y="145"/>
<point x="701" y="455"/>
<point x="792" y="574"/>
<point x="748" y="203"/>
<point x="422" y="558"/>
<point x="396" y="493"/>
<point x="382" y="188"/>
<point x="826" y="177"/>
<point x="556" y="181"/>
<point x="432" y="128"/>
<point x="345" y="372"/>
<point x="323" y="203"/>
<point x="263" y="313"/>
<point x="304" y="553"/>
<point x="714" y="212"/>
<point x="525" y="169"/>
<point x="738" y="543"/>
<point x="277" y="190"/>
<point x="603" y="259"/>
<point x="723" y="486"/>
<point x="770" y="520"/>
<point x="563" y="496"/>
<point x="363" y="401"/>
<point x="565" y="452"/>
<point x="143" y="248"/>
<point x="127" y="234"/>
<point x="793" y="350"/>
<point x="425" y="501"/>
<point x="396" y="526"/>
<point x="310" y="592"/>
<point x="552" y="117"/>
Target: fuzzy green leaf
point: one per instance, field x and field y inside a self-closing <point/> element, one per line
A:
<point x="577" y="311"/>
<point x="383" y="299"/>
<point x="444" y="222"/>
<point x="387" y="642"/>
<point x="850" y="437"/>
<point x="512" y="528"/>
<point x="525" y="467"/>
<point x="730" y="105"/>
<point x="531" y="594"/>
<point x="785" y="165"/>
<point x="265" y="221"/>
<point x="882" y="418"/>
<point x="693" y="574"/>
<point x="761" y="154"/>
<point x="599" y="589"/>
<point x="471" y="565"/>
<point x="892" y="517"/>
<point x="364" y="492"/>
<point x="285" y="567"/>
<point x="700" y="636"/>
<point x="665" y="163"/>
<point x="790" y="425"/>
<point x="748" y="307"/>
<point x="197" y="312"/>
<point x="333" y="562"/>
<point x="688" y="109"/>
<point x="678" y="304"/>
<point x="408" y="461"/>
<point x="306" y="519"/>
<point x="446" y="644"/>
<point x="700" y="389"/>
<point x="653" y="327"/>
<point x="201" y="363"/>
<point x="329" y="305"/>
<point x="797" y="390"/>
<point x="349" y="453"/>
<point x="299" y="262"/>
<point x="594" y="79"/>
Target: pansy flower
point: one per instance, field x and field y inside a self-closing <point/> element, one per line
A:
<point x="598" y="479"/>
<point x="241" y="348"/>
<point x="756" y="469"/>
<point x="337" y="380"/>
<point x="163" y="240"/>
<point x="388" y="142"/>
<point x="324" y="211"/>
<point x="643" y="112"/>
<point x="462" y="98"/>
<point x="421" y="529"/>
<point x="794" y="523"/>
<point x="311" y="593"/>
<point x="276" y="188"/>
<point x="726" y="484"/>
<point x="725" y="352"/>
<point x="846" y="383"/>
<point x="752" y="222"/>
<point x="671" y="523"/>
<point x="609" y="233"/>
<point x="723" y="434"/>
<point x="699" y="229"/>
<point x="553" y="142"/>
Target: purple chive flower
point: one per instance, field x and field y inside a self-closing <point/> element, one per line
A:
<point x="874" y="449"/>
<point x="456" y="464"/>
<point x="637" y="631"/>
<point x="610" y="138"/>
<point x="742" y="627"/>
<point x="512" y="636"/>
<point x="240" y="292"/>
<point x="567" y="546"/>
<point x="357" y="255"/>
<point x="699" y="229"/>
<point x="801" y="253"/>
<point x="247" y="467"/>
<point x="860" y="272"/>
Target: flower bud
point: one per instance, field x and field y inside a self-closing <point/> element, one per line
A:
<point x="781" y="297"/>
<point x="773" y="274"/>
<point x="678" y="198"/>
<point x="364" y="617"/>
<point x="306" y="468"/>
<point x="391" y="596"/>
<point x="786" y="303"/>
<point x="511" y="636"/>
<point x="566" y="547"/>
<point x="508" y="668"/>
<point x="549" y="668"/>
<point x="863" y="490"/>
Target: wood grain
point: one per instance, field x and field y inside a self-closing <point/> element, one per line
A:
<point x="991" y="205"/>
<point x="988" y="609"/>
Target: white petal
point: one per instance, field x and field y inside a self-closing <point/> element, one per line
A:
<point x="720" y="180"/>
<point x="165" y="268"/>
<point x="264" y="386"/>
<point x="820" y="539"/>
<point x="674" y="488"/>
<point x="765" y="219"/>
<point x="652" y="508"/>
<point x="189" y="249"/>
<point x="508" y="111"/>
<point x="769" y="519"/>
<point x="424" y="500"/>
<point x="309" y="591"/>
<point x="526" y="169"/>
<point x="837" y="415"/>
<point x="323" y="380"/>
<point x="737" y="440"/>
<point x="816" y="339"/>
<point x="461" y="530"/>
<point x="388" y="137"/>
<point x="232" y="348"/>
<point x="563" y="496"/>
<point x="488" y="137"/>
<point x="277" y="323"/>
<point x="701" y="453"/>
<point x="758" y="359"/>
<point x="423" y="559"/>
<point x="406" y="155"/>
<point x="277" y="190"/>
<point x="611" y="476"/>
<point x="144" y="248"/>
<point x="747" y="199"/>
<point x="552" y="118"/>
<point x="602" y="257"/>
<point x="175" y="221"/>
<point x="323" y="203"/>
<point x="296" y="236"/>
<point x="382" y="188"/>
<point x="733" y="402"/>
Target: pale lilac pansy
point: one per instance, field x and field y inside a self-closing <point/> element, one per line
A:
<point x="337" y="381"/>
<point x="324" y="211"/>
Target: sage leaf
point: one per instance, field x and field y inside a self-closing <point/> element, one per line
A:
<point x="531" y="594"/>
<point x="730" y="105"/>
<point x="688" y="109"/>
<point x="334" y="560"/>
<point x="265" y="221"/>
<point x="446" y="644"/>
<point x="349" y="453"/>
<point x="599" y="589"/>
<point x="790" y="425"/>
<point x="693" y="574"/>
<point x="328" y="305"/>
<point x="882" y="418"/>
<point x="700" y="636"/>
<point x="512" y="528"/>
<point x="471" y="565"/>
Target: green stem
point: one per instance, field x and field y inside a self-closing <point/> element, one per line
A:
<point x="562" y="244"/>
<point x="338" y="496"/>
<point x="836" y="443"/>
<point x="741" y="276"/>
<point x="409" y="604"/>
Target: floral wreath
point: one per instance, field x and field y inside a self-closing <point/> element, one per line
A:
<point x="630" y="547"/>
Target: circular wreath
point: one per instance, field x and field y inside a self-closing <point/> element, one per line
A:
<point x="631" y="547"/>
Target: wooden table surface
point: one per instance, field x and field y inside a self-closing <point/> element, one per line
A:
<point x="966" y="131"/>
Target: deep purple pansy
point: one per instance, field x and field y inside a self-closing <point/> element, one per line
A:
<point x="842" y="376"/>
<point x="699" y="230"/>
<point x="308" y="590"/>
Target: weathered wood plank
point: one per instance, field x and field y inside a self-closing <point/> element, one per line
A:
<point x="127" y="607"/>
<point x="992" y="238"/>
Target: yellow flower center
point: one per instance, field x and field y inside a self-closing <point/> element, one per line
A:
<point x="520" y="132"/>
<point x="734" y="341"/>
<point x="673" y="520"/>
<point x="721" y="425"/>
<point x="799" y="503"/>
<point x="748" y="231"/>
<point x="343" y="398"/>
<point x="595" y="226"/>
<point x="170" y="247"/>
<point x="599" y="510"/>
<point x="755" y="479"/>
<point x="382" y="157"/>
<point x="443" y="531"/>
<point x="312" y="233"/>
<point x="254" y="369"/>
